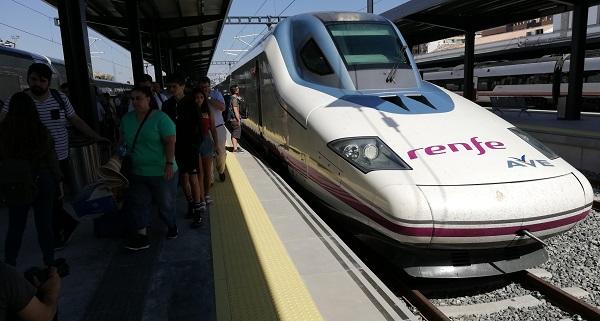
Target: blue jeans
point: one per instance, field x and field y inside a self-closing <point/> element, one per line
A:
<point x="42" y="208"/>
<point x="143" y="191"/>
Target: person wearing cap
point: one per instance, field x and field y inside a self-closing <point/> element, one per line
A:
<point x="56" y="113"/>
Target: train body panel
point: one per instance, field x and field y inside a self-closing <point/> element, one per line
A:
<point x="13" y="73"/>
<point x="414" y="162"/>
<point x="532" y="83"/>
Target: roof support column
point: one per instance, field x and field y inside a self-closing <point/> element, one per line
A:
<point x="158" y="67"/>
<point x="370" y="6"/>
<point x="135" y="39"/>
<point x="76" y="50"/>
<point x="170" y="68"/>
<point x="579" y="32"/>
<point x="468" y="87"/>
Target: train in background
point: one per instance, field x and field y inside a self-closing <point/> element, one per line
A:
<point x="13" y="73"/>
<point x="336" y="97"/>
<point x="532" y="83"/>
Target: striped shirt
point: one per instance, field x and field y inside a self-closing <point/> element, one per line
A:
<point x="56" y="126"/>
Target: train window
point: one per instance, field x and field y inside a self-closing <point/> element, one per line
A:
<point x="592" y="76"/>
<point x="368" y="44"/>
<point x="314" y="59"/>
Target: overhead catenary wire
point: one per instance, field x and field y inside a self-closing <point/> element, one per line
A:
<point x="34" y="10"/>
<point x="30" y="33"/>
<point x="279" y="15"/>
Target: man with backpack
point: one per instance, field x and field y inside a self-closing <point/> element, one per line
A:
<point x="234" y="120"/>
<point x="55" y="112"/>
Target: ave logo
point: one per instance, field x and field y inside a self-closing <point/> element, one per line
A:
<point x="522" y="162"/>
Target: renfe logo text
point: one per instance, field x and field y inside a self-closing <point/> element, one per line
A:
<point x="457" y="147"/>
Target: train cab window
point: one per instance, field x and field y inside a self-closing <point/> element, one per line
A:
<point x="366" y="45"/>
<point x="314" y="59"/>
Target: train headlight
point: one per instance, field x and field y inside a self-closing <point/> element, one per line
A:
<point x="371" y="151"/>
<point x="351" y="152"/>
<point x="534" y="143"/>
<point x="368" y="154"/>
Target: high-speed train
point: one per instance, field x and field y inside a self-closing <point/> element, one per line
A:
<point x="532" y="83"/>
<point x="13" y="73"/>
<point x="338" y="98"/>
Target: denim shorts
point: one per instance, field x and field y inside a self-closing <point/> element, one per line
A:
<point x="206" y="147"/>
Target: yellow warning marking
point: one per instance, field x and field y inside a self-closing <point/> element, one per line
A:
<point x="255" y="279"/>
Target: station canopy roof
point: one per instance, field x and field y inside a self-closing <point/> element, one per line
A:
<point x="191" y="28"/>
<point x="422" y="21"/>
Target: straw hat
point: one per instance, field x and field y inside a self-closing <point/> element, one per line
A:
<point x="110" y="173"/>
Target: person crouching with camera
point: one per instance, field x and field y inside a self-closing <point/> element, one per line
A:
<point x="20" y="300"/>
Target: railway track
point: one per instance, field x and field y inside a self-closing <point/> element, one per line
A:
<point x="557" y="296"/>
<point x="408" y="289"/>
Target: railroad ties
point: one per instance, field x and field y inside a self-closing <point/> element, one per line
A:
<point x="556" y="295"/>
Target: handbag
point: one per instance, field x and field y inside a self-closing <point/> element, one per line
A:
<point x="127" y="160"/>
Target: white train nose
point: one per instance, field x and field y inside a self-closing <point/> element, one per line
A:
<point x="491" y="215"/>
<point x="480" y="216"/>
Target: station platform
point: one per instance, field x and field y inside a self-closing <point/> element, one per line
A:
<point x="577" y="141"/>
<point x="261" y="254"/>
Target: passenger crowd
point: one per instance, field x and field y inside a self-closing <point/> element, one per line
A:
<point x="162" y="139"/>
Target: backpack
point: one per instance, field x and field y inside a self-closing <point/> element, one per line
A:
<point x="228" y="112"/>
<point x="17" y="182"/>
<point x="56" y="95"/>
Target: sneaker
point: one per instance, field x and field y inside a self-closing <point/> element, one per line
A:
<point x="172" y="233"/>
<point x="239" y="150"/>
<point x="138" y="242"/>
<point x="197" y="220"/>
<point x="208" y="199"/>
<point x="222" y="176"/>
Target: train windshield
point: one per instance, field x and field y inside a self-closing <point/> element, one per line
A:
<point x="366" y="45"/>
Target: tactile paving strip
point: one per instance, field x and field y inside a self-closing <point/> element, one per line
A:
<point x="255" y="278"/>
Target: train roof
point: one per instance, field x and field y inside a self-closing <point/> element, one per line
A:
<point x="341" y="16"/>
<point x="23" y="54"/>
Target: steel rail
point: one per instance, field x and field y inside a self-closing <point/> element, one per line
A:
<point x="422" y="303"/>
<point x="557" y="296"/>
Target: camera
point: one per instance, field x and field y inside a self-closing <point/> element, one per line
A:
<point x="41" y="274"/>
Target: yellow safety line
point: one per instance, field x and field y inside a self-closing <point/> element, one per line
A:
<point x="253" y="270"/>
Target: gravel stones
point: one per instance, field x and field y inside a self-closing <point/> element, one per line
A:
<point x="574" y="261"/>
<point x="575" y="258"/>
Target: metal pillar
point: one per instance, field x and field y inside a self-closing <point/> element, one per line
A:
<point x="469" y="88"/>
<point x="135" y="39"/>
<point x="170" y="67"/>
<point x="76" y="50"/>
<point x="370" y="6"/>
<point x="157" y="58"/>
<point x="579" y="32"/>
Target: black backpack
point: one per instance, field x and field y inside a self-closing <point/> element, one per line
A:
<point x="228" y="112"/>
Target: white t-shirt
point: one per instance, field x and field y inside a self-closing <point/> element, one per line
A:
<point x="55" y="118"/>
<point x="217" y="114"/>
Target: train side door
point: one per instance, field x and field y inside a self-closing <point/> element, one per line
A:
<point x="258" y="100"/>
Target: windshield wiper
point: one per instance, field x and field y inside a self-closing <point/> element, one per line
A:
<point x="391" y="74"/>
